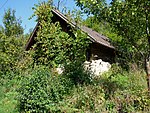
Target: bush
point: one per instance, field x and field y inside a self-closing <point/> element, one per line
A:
<point x="125" y="91"/>
<point x="40" y="91"/>
<point x="11" y="50"/>
<point x="75" y="71"/>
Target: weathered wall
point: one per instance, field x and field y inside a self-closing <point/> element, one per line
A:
<point x="97" y="51"/>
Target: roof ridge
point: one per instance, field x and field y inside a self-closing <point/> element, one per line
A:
<point x="94" y="35"/>
<point x="63" y="16"/>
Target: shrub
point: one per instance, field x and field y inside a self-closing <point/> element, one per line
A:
<point x="40" y="91"/>
<point x="125" y="91"/>
<point x="10" y="52"/>
<point x="75" y="71"/>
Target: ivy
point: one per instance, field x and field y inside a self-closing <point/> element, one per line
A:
<point x="53" y="45"/>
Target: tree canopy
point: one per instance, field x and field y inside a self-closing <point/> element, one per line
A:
<point x="130" y="20"/>
<point x="11" y="42"/>
<point x="12" y="25"/>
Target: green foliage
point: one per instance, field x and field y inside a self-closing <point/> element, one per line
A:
<point x="40" y="91"/>
<point x="27" y="89"/>
<point x="130" y="20"/>
<point x="10" y="49"/>
<point x="11" y="42"/>
<point x="104" y="28"/>
<point x="33" y="92"/>
<point x="88" y="98"/>
<point x="124" y="91"/>
<point x="91" y="6"/>
<point x="8" y="94"/>
<point x="54" y="46"/>
<point x="75" y="72"/>
<point x="12" y="25"/>
<point x="8" y="103"/>
<point x="115" y="91"/>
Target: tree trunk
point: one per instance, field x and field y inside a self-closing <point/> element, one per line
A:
<point x="148" y="74"/>
<point x="148" y="58"/>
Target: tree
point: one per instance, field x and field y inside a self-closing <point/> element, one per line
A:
<point x="12" y="25"/>
<point x="94" y="7"/>
<point x="127" y="17"/>
<point x="130" y="18"/>
<point x="11" y="42"/>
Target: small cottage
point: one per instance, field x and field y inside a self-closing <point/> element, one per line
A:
<point x="100" y="48"/>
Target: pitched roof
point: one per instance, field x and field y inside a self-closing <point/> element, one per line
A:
<point x="93" y="35"/>
<point x="97" y="37"/>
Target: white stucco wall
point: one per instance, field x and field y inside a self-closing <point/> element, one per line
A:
<point x="97" y="67"/>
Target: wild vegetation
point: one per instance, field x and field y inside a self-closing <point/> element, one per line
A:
<point x="29" y="82"/>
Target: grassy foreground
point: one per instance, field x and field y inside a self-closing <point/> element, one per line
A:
<point x="39" y="90"/>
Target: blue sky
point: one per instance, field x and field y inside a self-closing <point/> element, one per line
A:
<point x="24" y="10"/>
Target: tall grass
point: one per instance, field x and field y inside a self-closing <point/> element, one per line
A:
<point x="39" y="90"/>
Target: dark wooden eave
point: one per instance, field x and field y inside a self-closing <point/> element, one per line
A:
<point x="93" y="35"/>
<point x="31" y="40"/>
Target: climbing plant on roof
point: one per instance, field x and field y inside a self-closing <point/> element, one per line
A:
<point x="53" y="45"/>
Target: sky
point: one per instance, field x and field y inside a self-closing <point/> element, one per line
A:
<point x="24" y="10"/>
